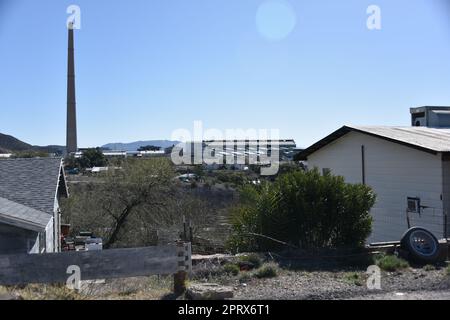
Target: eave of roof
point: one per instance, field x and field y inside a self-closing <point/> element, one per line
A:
<point x="18" y="215"/>
<point x="346" y="129"/>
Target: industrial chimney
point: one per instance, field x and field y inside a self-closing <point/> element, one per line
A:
<point x="71" y="135"/>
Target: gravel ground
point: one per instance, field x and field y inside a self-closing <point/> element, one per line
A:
<point x="320" y="285"/>
<point x="341" y="283"/>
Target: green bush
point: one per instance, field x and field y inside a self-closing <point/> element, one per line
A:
<point x="354" y="278"/>
<point x="30" y="154"/>
<point x="244" y="277"/>
<point x="429" y="267"/>
<point x="231" y="178"/>
<point x="231" y="268"/>
<point x="305" y="209"/>
<point x="391" y="263"/>
<point x="251" y="258"/>
<point x="267" y="271"/>
<point x="447" y="270"/>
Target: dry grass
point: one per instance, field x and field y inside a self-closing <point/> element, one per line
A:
<point x="44" y="292"/>
<point x="268" y="270"/>
<point x="354" y="278"/>
<point x="142" y="288"/>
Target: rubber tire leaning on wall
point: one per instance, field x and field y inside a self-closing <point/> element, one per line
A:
<point x="415" y="254"/>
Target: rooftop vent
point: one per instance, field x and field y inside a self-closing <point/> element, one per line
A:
<point x="432" y="117"/>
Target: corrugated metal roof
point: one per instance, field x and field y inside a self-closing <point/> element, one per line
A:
<point x="426" y="139"/>
<point x="429" y="138"/>
<point x="16" y="214"/>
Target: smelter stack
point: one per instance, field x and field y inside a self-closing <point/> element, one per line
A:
<point x="71" y="137"/>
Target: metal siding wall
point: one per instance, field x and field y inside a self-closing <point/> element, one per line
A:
<point x="446" y="191"/>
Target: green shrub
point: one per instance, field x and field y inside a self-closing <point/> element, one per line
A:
<point x="231" y="268"/>
<point x="244" y="277"/>
<point x="305" y="209"/>
<point x="447" y="270"/>
<point x="391" y="263"/>
<point x="251" y="258"/>
<point x="267" y="271"/>
<point x="429" y="267"/>
<point x="353" y="278"/>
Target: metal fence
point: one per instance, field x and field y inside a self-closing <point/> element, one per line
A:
<point x="390" y="226"/>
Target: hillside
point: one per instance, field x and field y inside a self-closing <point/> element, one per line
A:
<point x="11" y="144"/>
<point x="134" y="146"/>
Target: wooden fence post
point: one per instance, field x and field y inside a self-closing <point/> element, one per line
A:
<point x="184" y="229"/>
<point x="184" y="267"/>
<point x="191" y="235"/>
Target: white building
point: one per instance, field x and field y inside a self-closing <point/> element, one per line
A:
<point x="237" y="154"/>
<point x="6" y="155"/>
<point x="407" y="167"/>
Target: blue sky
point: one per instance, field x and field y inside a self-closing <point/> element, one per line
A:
<point x="146" y="68"/>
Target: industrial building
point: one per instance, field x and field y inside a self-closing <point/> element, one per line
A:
<point x="238" y="153"/>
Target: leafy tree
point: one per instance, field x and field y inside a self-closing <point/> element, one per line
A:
<point x="199" y="171"/>
<point x="125" y="207"/>
<point x="125" y="191"/>
<point x="168" y="150"/>
<point x="93" y="157"/>
<point x="304" y="209"/>
<point x="70" y="162"/>
<point x="149" y="148"/>
<point x="289" y="167"/>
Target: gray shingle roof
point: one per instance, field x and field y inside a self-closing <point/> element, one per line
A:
<point x="30" y="182"/>
<point x="22" y="216"/>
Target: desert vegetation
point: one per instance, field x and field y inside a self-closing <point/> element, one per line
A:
<point x="391" y="262"/>
<point x="304" y="210"/>
<point x="140" y="201"/>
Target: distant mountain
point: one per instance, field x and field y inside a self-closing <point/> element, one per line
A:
<point x="134" y="146"/>
<point x="11" y="144"/>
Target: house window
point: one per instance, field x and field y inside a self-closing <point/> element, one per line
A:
<point x="326" y="171"/>
<point x="413" y="205"/>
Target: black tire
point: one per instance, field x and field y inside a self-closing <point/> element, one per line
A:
<point x="421" y="244"/>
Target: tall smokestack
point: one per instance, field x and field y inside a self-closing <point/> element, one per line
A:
<point x="71" y="137"/>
